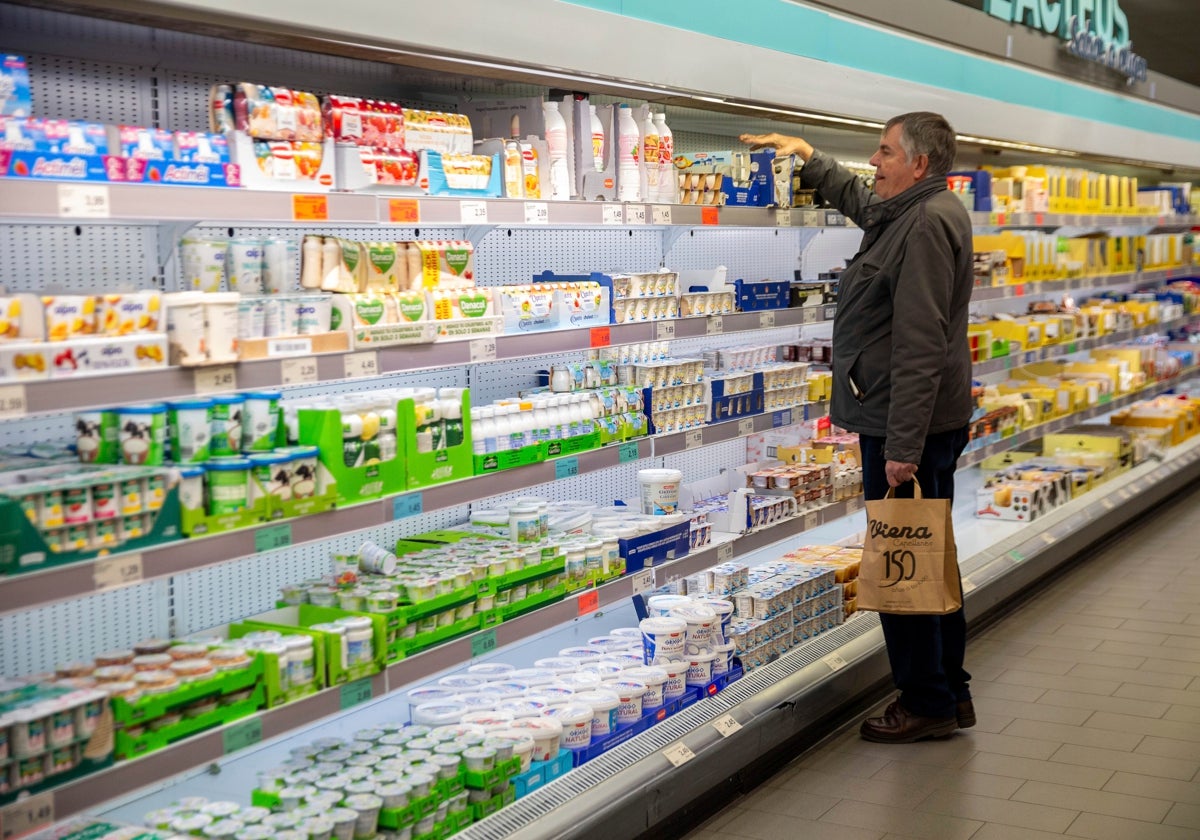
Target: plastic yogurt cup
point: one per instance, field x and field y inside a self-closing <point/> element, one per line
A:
<point x="724" y="611"/>
<point x="228" y="484"/>
<point x="700" y="622"/>
<point x="676" y="683"/>
<point x="654" y="678"/>
<point x="700" y="668"/>
<point x="260" y="420"/>
<point x="576" y="720"/>
<point x="190" y="426"/>
<point x="142" y="433"/>
<point x="663" y="638"/>
<point x="631" y="693"/>
<point x="604" y="705"/>
<point x="661" y="605"/>
<point x="226" y="430"/>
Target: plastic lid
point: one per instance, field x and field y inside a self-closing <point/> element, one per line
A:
<point x="561" y="664"/>
<point x="463" y="681"/>
<point x="439" y="714"/>
<point x="144" y="408"/>
<point x="648" y="674"/>
<point x="694" y="613"/>
<point x="228" y="399"/>
<point x="628" y="688"/>
<point x="599" y="699"/>
<point x="195" y="402"/>
<point x="263" y="395"/>
<point x="542" y="727"/>
<point x="269" y="458"/>
<point x="718" y="605"/>
<point x="228" y="465"/>
<point x="191" y="472"/>
<point x="663" y="625"/>
<point x="572" y="713"/>
<point x="429" y="694"/>
<point x="488" y="718"/>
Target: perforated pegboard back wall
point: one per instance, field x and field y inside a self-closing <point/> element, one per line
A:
<point x="602" y="487"/>
<point x="79" y="260"/>
<point x="77" y="89"/>
<point x="748" y="253"/>
<point x="515" y="255"/>
<point x="830" y="248"/>
<point x="707" y="462"/>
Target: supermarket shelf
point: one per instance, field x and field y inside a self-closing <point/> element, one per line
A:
<point x="1055" y="351"/>
<point x="1099" y="281"/>
<point x="1092" y="220"/>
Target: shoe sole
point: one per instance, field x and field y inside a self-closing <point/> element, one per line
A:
<point x="943" y="730"/>
<point x="966" y="722"/>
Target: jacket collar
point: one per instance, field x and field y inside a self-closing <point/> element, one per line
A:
<point x="884" y="211"/>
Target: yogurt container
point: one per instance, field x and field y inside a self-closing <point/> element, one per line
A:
<point x="228" y="485"/>
<point x="660" y="491"/>
<point x="244" y="265"/>
<point x="604" y="710"/>
<point x="631" y="694"/>
<point x="724" y="611"/>
<point x="185" y="327"/>
<point x="663" y="638"/>
<point x="522" y="745"/>
<point x="260" y="420"/>
<point x="97" y="436"/>
<point x="661" y="605"/>
<point x="366" y="806"/>
<point x="142" y="434"/>
<point x="546" y="733"/>
<point x="440" y="713"/>
<point x="700" y="668"/>
<point x="676" y="683"/>
<point x="576" y="720"/>
<point x="305" y="474"/>
<point x="700" y="621"/>
<point x="221" y="326"/>
<point x="226" y="430"/>
<point x="653" y="677"/>
<point x="271" y="473"/>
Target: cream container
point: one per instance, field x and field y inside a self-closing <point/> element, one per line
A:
<point x="203" y="264"/>
<point x="661" y="605"/>
<point x="663" y="638"/>
<point x="185" y="328"/>
<point x="427" y="695"/>
<point x="724" y="659"/>
<point x="676" y="683"/>
<point x="724" y="611"/>
<point x="604" y="705"/>
<point x="700" y="669"/>
<point x="631" y="694"/>
<point x="576" y="720"/>
<point x="654" y="678"/>
<point x="366" y="806"/>
<point x="522" y="745"/>
<point x="546" y="733"/>
<point x="700" y="621"/>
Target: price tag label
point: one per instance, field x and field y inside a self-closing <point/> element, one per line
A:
<point x="1039" y="218"/>
<point x="215" y="380"/>
<point x="693" y="439"/>
<point x="239" y="736"/>
<point x="410" y="504"/>
<point x="745" y="426"/>
<point x="601" y="336"/>
<point x="766" y="320"/>
<point x="310" y="208"/>
<point x="482" y="643"/>
<point x="709" y="216"/>
<point x="715" y="325"/>
<point x="635" y="214"/>
<point x="275" y="536"/>
<point x="566" y="468"/>
<point x="664" y="330"/>
<point x="589" y="602"/>
<point x="365" y="363"/>
<point x="354" y="693"/>
<point x="298" y="371"/>
<point x="809" y="315"/>
<point x="726" y="725"/>
<point x="725" y="552"/>
<point x="1048" y="539"/>
<point x="612" y="214"/>
<point x="854" y="505"/>
<point x="968" y="585"/>
<point x="834" y="661"/>
<point x="483" y="350"/>
<point x="678" y="754"/>
<point x="122" y="570"/>
<point x="1017" y="556"/>
<point x="474" y="212"/>
<point x="628" y="451"/>
<point x="289" y="347"/>
<point x="27" y="815"/>
<point x="661" y="214"/>
<point x="404" y="211"/>
<point x="812" y="521"/>
<point x="12" y="401"/>
<point x="643" y="581"/>
<point x="83" y="201"/>
<point x="783" y="218"/>
<point x="537" y="213"/>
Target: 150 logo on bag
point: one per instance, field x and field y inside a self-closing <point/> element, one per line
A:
<point x="903" y="563"/>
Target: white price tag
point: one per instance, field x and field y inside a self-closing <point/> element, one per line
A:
<point x="298" y="371"/>
<point x="86" y="201"/>
<point x="361" y="364"/>
<point x="835" y="662"/>
<point x="766" y="320"/>
<point x="1108" y="504"/>
<point x="725" y="552"/>
<point x="664" y="330"/>
<point x="289" y="347"/>
<point x="812" y="521"/>
<point x="483" y="350"/>
<point x="26" y="815"/>
<point x="809" y="315"/>
<point x="968" y="585"/>
<point x="635" y="214"/>
<point x="678" y="754"/>
<point x="783" y="218"/>
<point x="661" y="214"/>
<point x="643" y="581"/>
<point x="537" y="213"/>
<point x="613" y="214"/>
<point x="715" y="325"/>
<point x="693" y="439"/>
<point x="215" y="380"/>
<point x="12" y="401"/>
<point x="854" y="505"/>
<point x="745" y="426"/>
<point x="122" y="570"/>
<point x="474" y="212"/>
<point x="726" y="725"/>
<point x="1048" y="539"/>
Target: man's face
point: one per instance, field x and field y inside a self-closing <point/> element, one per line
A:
<point x="894" y="172"/>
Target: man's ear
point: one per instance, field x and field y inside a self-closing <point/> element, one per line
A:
<point x="921" y="167"/>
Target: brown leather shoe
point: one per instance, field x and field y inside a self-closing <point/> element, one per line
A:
<point x="900" y="726"/>
<point x="964" y="712"/>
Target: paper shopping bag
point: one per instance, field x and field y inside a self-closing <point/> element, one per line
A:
<point x="910" y="561"/>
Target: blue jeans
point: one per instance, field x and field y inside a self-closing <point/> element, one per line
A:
<point x="926" y="652"/>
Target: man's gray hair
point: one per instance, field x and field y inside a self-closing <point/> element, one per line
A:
<point x="927" y="133"/>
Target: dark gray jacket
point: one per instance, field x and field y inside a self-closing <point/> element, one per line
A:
<point x="901" y="328"/>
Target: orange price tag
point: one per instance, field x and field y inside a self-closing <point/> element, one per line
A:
<point x="1019" y="291"/>
<point x="404" y="210"/>
<point x="601" y="336"/>
<point x="310" y="208"/>
<point x="589" y="602"/>
<point x="708" y="216"/>
<point x="999" y="218"/>
<point x="1039" y="219"/>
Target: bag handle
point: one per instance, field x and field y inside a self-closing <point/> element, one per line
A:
<point x="891" y="493"/>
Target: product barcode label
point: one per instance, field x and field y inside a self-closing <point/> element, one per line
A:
<point x="215" y="380"/>
<point x="643" y="581"/>
<point x="745" y="426"/>
<point x="566" y="468"/>
<point x="766" y="320"/>
<point x="725" y="552"/>
<point x="289" y="347"/>
<point x="612" y="214"/>
<point x="273" y="537"/>
<point x="410" y="504"/>
<point x="12" y="401"/>
<point x="537" y="213"/>
<point x="474" y="212"/>
<point x="635" y="214"/>
<point x="809" y="315"/>
<point x="27" y="815"/>
<point x="483" y="350"/>
<point x="661" y="214"/>
<point x="811" y="521"/>
<point x="693" y="439"/>
<point x="834" y="661"/>
<point x="356" y="692"/>
<point x="122" y="570"/>
<point x="783" y="218"/>
<point x="726" y="725"/>
<point x="678" y="754"/>
<point x="83" y="201"/>
<point x="482" y="643"/>
<point x="628" y="451"/>
<point x="365" y="363"/>
<point x="715" y="325"/>
<point x="298" y="371"/>
<point x="664" y="330"/>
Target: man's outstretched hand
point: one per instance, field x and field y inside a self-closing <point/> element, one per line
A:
<point x="781" y="143"/>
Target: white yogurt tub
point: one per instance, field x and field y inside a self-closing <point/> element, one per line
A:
<point x="676" y="683"/>
<point x="700" y="668"/>
<point x="489" y="720"/>
<point x="440" y="714"/>
<point x="661" y="605"/>
<point x="490" y="670"/>
<point x="724" y="611"/>
<point x="581" y="652"/>
<point x="724" y="659"/>
<point x="581" y="680"/>
<point x="534" y="676"/>
<point x="523" y="707"/>
<point x="546" y="733"/>
<point x="660" y="491"/>
<point x="604" y="705"/>
<point x="463" y="682"/>
<point x="700" y="622"/>
<point x="663" y="638"/>
<point x="428" y="694"/>
<point x="627" y="633"/>
<point x="654" y="679"/>
<point x="562" y="664"/>
<point x="522" y="744"/>
<point x="631" y="693"/>
<point x="576" y="720"/>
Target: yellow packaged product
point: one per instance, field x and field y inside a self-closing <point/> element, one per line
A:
<point x="129" y="313"/>
<point x="10" y="318"/>
<point x="68" y="316"/>
<point x="386" y="267"/>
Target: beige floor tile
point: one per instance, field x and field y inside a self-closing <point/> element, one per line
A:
<point x="1085" y="657"/>
<point x="983" y="647"/>
<point x="1097" y="703"/>
<point x="1001" y="691"/>
<point x="996" y="831"/>
<point x="1120" y="634"/>
<point x="1135" y="613"/>
<point x="764" y="826"/>
<point x="1019" y="635"/>
<point x="1187" y="816"/>
<point x="1131" y="675"/>
<point x="1082" y="601"/>
<point x="897" y="793"/>
<point x="1022" y="769"/>
<point x="722" y="817"/>
<point x="1165" y="628"/>
<point x="945" y="752"/>
<point x="1172" y="653"/>
<point x="882" y="818"/>
<point x="1103" y="827"/>
<point x="1171" y="666"/>
<point x="1184" y="713"/>
<point x="1146" y="765"/>
<point x="789" y="803"/>
<point x="918" y="777"/>
<point x="1093" y="801"/>
<point x="1146" y="726"/>
<point x="1061" y="733"/>
<point x="1155" y="787"/>
<point x="1008" y="745"/>
<point x="993" y="724"/>
<point x="1060" y="683"/>
<point x="1077" y="619"/>
<point x="987" y="809"/>
<point x="1023" y="663"/>
<point x="1169" y="748"/>
<point x="986" y="670"/>
<point x="1151" y="694"/>
<point x="988" y="707"/>
<point x="845" y="764"/>
<point x="1176" y="642"/>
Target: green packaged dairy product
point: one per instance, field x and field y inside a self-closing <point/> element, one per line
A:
<point x="97" y="436"/>
<point x="190" y="426"/>
<point x="228" y="485"/>
<point x="143" y="433"/>
<point x="227" y="419"/>
<point x="260" y="420"/>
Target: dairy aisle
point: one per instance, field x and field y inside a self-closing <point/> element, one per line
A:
<point x="1088" y="700"/>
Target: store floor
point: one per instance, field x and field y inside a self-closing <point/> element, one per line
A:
<point x="1088" y="698"/>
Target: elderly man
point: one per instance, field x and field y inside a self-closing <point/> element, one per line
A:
<point x="902" y="374"/>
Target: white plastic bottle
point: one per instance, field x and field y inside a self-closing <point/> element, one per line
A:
<point x="629" y="139"/>
<point x="598" y="139"/>
<point x="483" y="431"/>
<point x="541" y="421"/>
<point x="650" y="156"/>
<point x="528" y="424"/>
<point x="555" y="412"/>
<point x="517" y="428"/>
<point x="503" y="428"/>
<point x="668" y="186"/>
<point x="588" y="410"/>
<point x="556" y="142"/>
